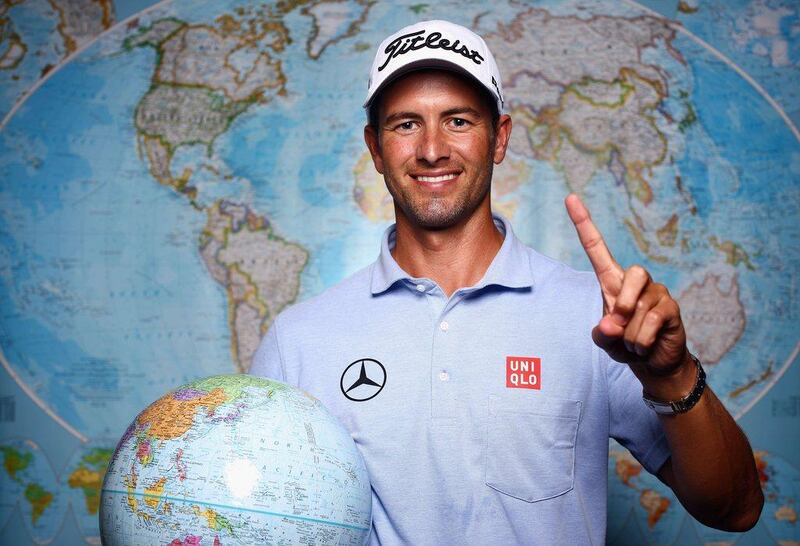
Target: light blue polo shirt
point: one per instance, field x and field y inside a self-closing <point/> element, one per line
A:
<point x="483" y="418"/>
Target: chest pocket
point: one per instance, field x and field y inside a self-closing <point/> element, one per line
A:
<point x="530" y="446"/>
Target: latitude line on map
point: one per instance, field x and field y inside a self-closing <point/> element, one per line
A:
<point x="732" y="65"/>
<point x="38" y="401"/>
<point x="771" y="383"/>
<point x="231" y="507"/>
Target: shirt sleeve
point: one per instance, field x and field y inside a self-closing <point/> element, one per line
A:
<point x="267" y="361"/>
<point x="631" y="423"/>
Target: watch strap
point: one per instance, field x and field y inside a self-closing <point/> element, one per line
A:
<point x="684" y="404"/>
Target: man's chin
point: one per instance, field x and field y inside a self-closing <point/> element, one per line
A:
<point x="438" y="219"/>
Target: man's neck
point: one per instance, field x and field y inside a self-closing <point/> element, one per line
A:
<point x="455" y="257"/>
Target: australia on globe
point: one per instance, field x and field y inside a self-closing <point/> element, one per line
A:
<point x="235" y="460"/>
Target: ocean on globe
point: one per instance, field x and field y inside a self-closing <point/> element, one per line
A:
<point x="235" y="460"/>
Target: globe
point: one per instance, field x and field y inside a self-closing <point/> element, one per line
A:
<point x="235" y="459"/>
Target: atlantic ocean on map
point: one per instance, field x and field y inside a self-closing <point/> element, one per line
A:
<point x="200" y="166"/>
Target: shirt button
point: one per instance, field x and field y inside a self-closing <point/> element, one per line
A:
<point x="443" y="326"/>
<point x="444" y="376"/>
<point x="420" y="288"/>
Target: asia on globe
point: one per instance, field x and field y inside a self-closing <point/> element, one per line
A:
<point x="235" y="460"/>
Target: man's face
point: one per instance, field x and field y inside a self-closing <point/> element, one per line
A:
<point x="435" y="146"/>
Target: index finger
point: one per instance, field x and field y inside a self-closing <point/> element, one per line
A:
<point x="591" y="239"/>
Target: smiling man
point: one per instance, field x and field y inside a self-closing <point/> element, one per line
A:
<point x="481" y="380"/>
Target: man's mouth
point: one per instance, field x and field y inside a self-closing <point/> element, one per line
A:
<point x="435" y="179"/>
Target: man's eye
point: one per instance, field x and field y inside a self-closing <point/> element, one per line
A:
<point x="406" y="125"/>
<point x="460" y="122"/>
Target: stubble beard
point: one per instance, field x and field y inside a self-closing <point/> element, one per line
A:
<point x="435" y="213"/>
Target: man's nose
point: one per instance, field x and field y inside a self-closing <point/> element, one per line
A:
<point x="433" y="145"/>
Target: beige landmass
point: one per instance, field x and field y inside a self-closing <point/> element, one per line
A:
<point x="714" y="317"/>
<point x="541" y="52"/>
<point x="625" y="127"/>
<point x="12" y="48"/>
<point x="205" y="76"/>
<point x="179" y="115"/>
<point x="734" y="253"/>
<point x="584" y="95"/>
<point x="235" y="64"/>
<point x="334" y="20"/>
<point x="668" y="232"/>
<point x="641" y="240"/>
<point x="577" y="165"/>
<point x="626" y="467"/>
<point x="259" y="270"/>
<point x="369" y="191"/>
<point x="80" y="21"/>
<point x="654" y="504"/>
<point x="786" y="513"/>
<point x="506" y="179"/>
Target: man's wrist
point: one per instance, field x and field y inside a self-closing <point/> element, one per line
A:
<point x="670" y="405"/>
<point x="675" y="384"/>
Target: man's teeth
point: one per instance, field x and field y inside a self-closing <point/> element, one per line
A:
<point x="437" y="178"/>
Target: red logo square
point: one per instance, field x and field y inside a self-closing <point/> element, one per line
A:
<point x="524" y="372"/>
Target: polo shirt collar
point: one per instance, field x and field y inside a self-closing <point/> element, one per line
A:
<point x="510" y="268"/>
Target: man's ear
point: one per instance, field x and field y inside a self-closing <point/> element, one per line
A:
<point x="502" y="136"/>
<point x="374" y="145"/>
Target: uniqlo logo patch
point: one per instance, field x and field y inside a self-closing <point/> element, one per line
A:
<point x="523" y="372"/>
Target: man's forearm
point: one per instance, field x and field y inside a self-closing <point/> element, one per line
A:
<point x="712" y="469"/>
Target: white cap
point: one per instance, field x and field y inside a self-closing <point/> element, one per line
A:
<point x="435" y="44"/>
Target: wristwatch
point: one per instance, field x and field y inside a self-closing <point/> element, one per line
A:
<point x="684" y="404"/>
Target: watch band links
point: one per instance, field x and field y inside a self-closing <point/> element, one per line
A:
<point x="684" y="404"/>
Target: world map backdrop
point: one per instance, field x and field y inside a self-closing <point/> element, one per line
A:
<point x="174" y="175"/>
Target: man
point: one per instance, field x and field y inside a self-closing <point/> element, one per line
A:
<point x="462" y="361"/>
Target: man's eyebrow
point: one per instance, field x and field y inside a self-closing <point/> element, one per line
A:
<point x="461" y="110"/>
<point x="401" y="115"/>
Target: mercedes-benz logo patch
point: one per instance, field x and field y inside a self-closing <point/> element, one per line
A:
<point x="363" y="380"/>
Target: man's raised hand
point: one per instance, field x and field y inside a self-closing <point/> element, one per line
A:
<point x="641" y="323"/>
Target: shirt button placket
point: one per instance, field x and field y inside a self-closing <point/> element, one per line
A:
<point x="440" y="371"/>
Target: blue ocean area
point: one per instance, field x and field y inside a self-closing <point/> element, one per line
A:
<point x="716" y="88"/>
<point x="44" y="360"/>
<point x="730" y="27"/>
<point x="253" y="148"/>
<point x="55" y="117"/>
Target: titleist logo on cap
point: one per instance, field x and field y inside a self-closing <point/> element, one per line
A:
<point x="417" y="40"/>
